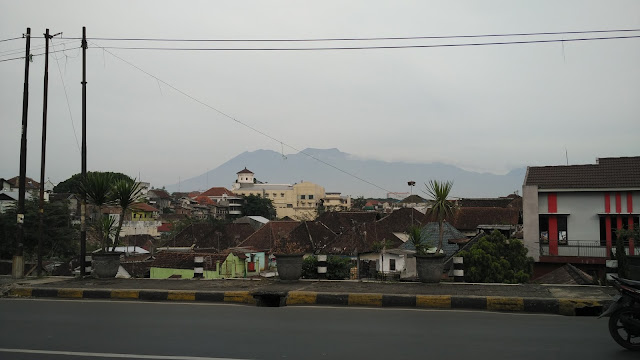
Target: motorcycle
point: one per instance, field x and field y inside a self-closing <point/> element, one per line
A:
<point x="624" y="313"/>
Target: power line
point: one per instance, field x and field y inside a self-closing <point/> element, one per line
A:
<point x="15" y="38"/>
<point x="240" y="122"/>
<point x="34" y="55"/>
<point x="374" y="47"/>
<point x="64" y="86"/>
<point x="14" y="51"/>
<point x="366" y="38"/>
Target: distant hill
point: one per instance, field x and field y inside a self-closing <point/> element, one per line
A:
<point x="270" y="166"/>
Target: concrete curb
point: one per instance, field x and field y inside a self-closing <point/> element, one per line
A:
<point x="568" y="307"/>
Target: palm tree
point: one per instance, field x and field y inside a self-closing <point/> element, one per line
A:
<point x="415" y="237"/>
<point x="97" y="187"/>
<point x="441" y="207"/>
<point x="125" y="194"/>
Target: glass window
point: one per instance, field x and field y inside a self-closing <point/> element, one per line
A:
<point x="392" y="264"/>
<point x="310" y="197"/>
<point x="302" y="197"/>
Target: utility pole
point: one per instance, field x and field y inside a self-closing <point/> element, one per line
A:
<point x="44" y="147"/>
<point x="83" y="209"/>
<point x="17" y="270"/>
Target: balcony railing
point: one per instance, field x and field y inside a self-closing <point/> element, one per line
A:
<point x="579" y="249"/>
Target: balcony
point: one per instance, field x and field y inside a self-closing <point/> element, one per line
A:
<point x="581" y="252"/>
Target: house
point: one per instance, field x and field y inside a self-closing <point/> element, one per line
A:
<point x="9" y="199"/>
<point x="204" y="236"/>
<point x="227" y="203"/>
<point x="159" y="199"/>
<point x="140" y="218"/>
<point x="30" y="185"/>
<point x="298" y="201"/>
<point x="571" y="213"/>
<point x="4" y="185"/>
<point x="215" y="266"/>
<point x="333" y="201"/>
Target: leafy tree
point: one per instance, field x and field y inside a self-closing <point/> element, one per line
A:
<point x="72" y="184"/>
<point x="496" y="259"/>
<point x="60" y="238"/>
<point x="254" y="205"/>
<point x="440" y="206"/>
<point x="358" y="203"/>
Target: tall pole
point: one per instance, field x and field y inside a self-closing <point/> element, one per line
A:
<point x="83" y="210"/>
<point x="17" y="270"/>
<point x="411" y="185"/>
<point x="44" y="148"/>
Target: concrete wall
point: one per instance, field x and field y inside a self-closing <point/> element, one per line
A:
<point x="531" y="223"/>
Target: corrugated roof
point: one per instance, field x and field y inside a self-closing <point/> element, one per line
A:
<point x="621" y="172"/>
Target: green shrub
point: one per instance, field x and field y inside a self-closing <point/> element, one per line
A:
<point x="496" y="259"/>
<point x="338" y="267"/>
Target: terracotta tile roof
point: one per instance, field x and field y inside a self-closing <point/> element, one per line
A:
<point x="30" y="184"/>
<point x="493" y="202"/>
<point x="204" y="200"/>
<point x="264" y="237"/>
<point x="182" y="260"/>
<point x="244" y="171"/>
<point x="217" y="191"/>
<point x="165" y="227"/>
<point x="209" y="236"/>
<point x="143" y="207"/>
<point x="470" y="218"/>
<point x="340" y="221"/>
<point x="621" y="172"/>
<point x="567" y="274"/>
<point x="144" y="241"/>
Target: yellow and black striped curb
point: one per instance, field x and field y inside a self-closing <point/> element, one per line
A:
<point x="571" y="307"/>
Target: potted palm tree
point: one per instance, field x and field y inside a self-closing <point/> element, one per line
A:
<point x="429" y="265"/>
<point x="101" y="190"/>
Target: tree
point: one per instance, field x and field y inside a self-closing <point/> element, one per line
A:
<point x="441" y="208"/>
<point x="358" y="203"/>
<point x="60" y="240"/>
<point x="97" y="187"/>
<point x="254" y="205"/>
<point x="72" y="184"/>
<point x="125" y="193"/>
<point x="496" y="259"/>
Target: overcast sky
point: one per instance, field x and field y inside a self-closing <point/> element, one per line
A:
<point x="483" y="108"/>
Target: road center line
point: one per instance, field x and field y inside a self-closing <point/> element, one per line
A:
<point x="110" y="355"/>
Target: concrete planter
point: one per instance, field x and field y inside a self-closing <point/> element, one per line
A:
<point x="429" y="268"/>
<point x="105" y="265"/>
<point x="289" y="266"/>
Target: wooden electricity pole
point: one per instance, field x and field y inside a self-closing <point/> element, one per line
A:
<point x="83" y="209"/>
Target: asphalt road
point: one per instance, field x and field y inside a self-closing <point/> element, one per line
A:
<point x="77" y="329"/>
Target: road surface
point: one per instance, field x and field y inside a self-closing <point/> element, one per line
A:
<point x="78" y="329"/>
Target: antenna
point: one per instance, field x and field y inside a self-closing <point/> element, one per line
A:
<point x="566" y="155"/>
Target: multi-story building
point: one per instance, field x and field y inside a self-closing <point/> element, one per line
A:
<point x="298" y="201"/>
<point x="571" y="213"/>
<point x="226" y="202"/>
<point x="333" y="201"/>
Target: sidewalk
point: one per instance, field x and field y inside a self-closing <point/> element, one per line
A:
<point x="553" y="299"/>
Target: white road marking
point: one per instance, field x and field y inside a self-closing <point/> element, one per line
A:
<point x="110" y="355"/>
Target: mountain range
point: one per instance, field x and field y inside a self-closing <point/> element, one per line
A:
<point x="340" y="172"/>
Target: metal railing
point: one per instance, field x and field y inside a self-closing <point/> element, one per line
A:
<point x="579" y="249"/>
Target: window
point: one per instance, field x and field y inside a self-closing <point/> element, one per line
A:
<point x="281" y="194"/>
<point x="302" y="197"/>
<point x="614" y="228"/>
<point x="560" y="222"/>
<point x="392" y="264"/>
<point x="275" y="195"/>
<point x="289" y="205"/>
<point x="266" y="195"/>
<point x="310" y="197"/>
